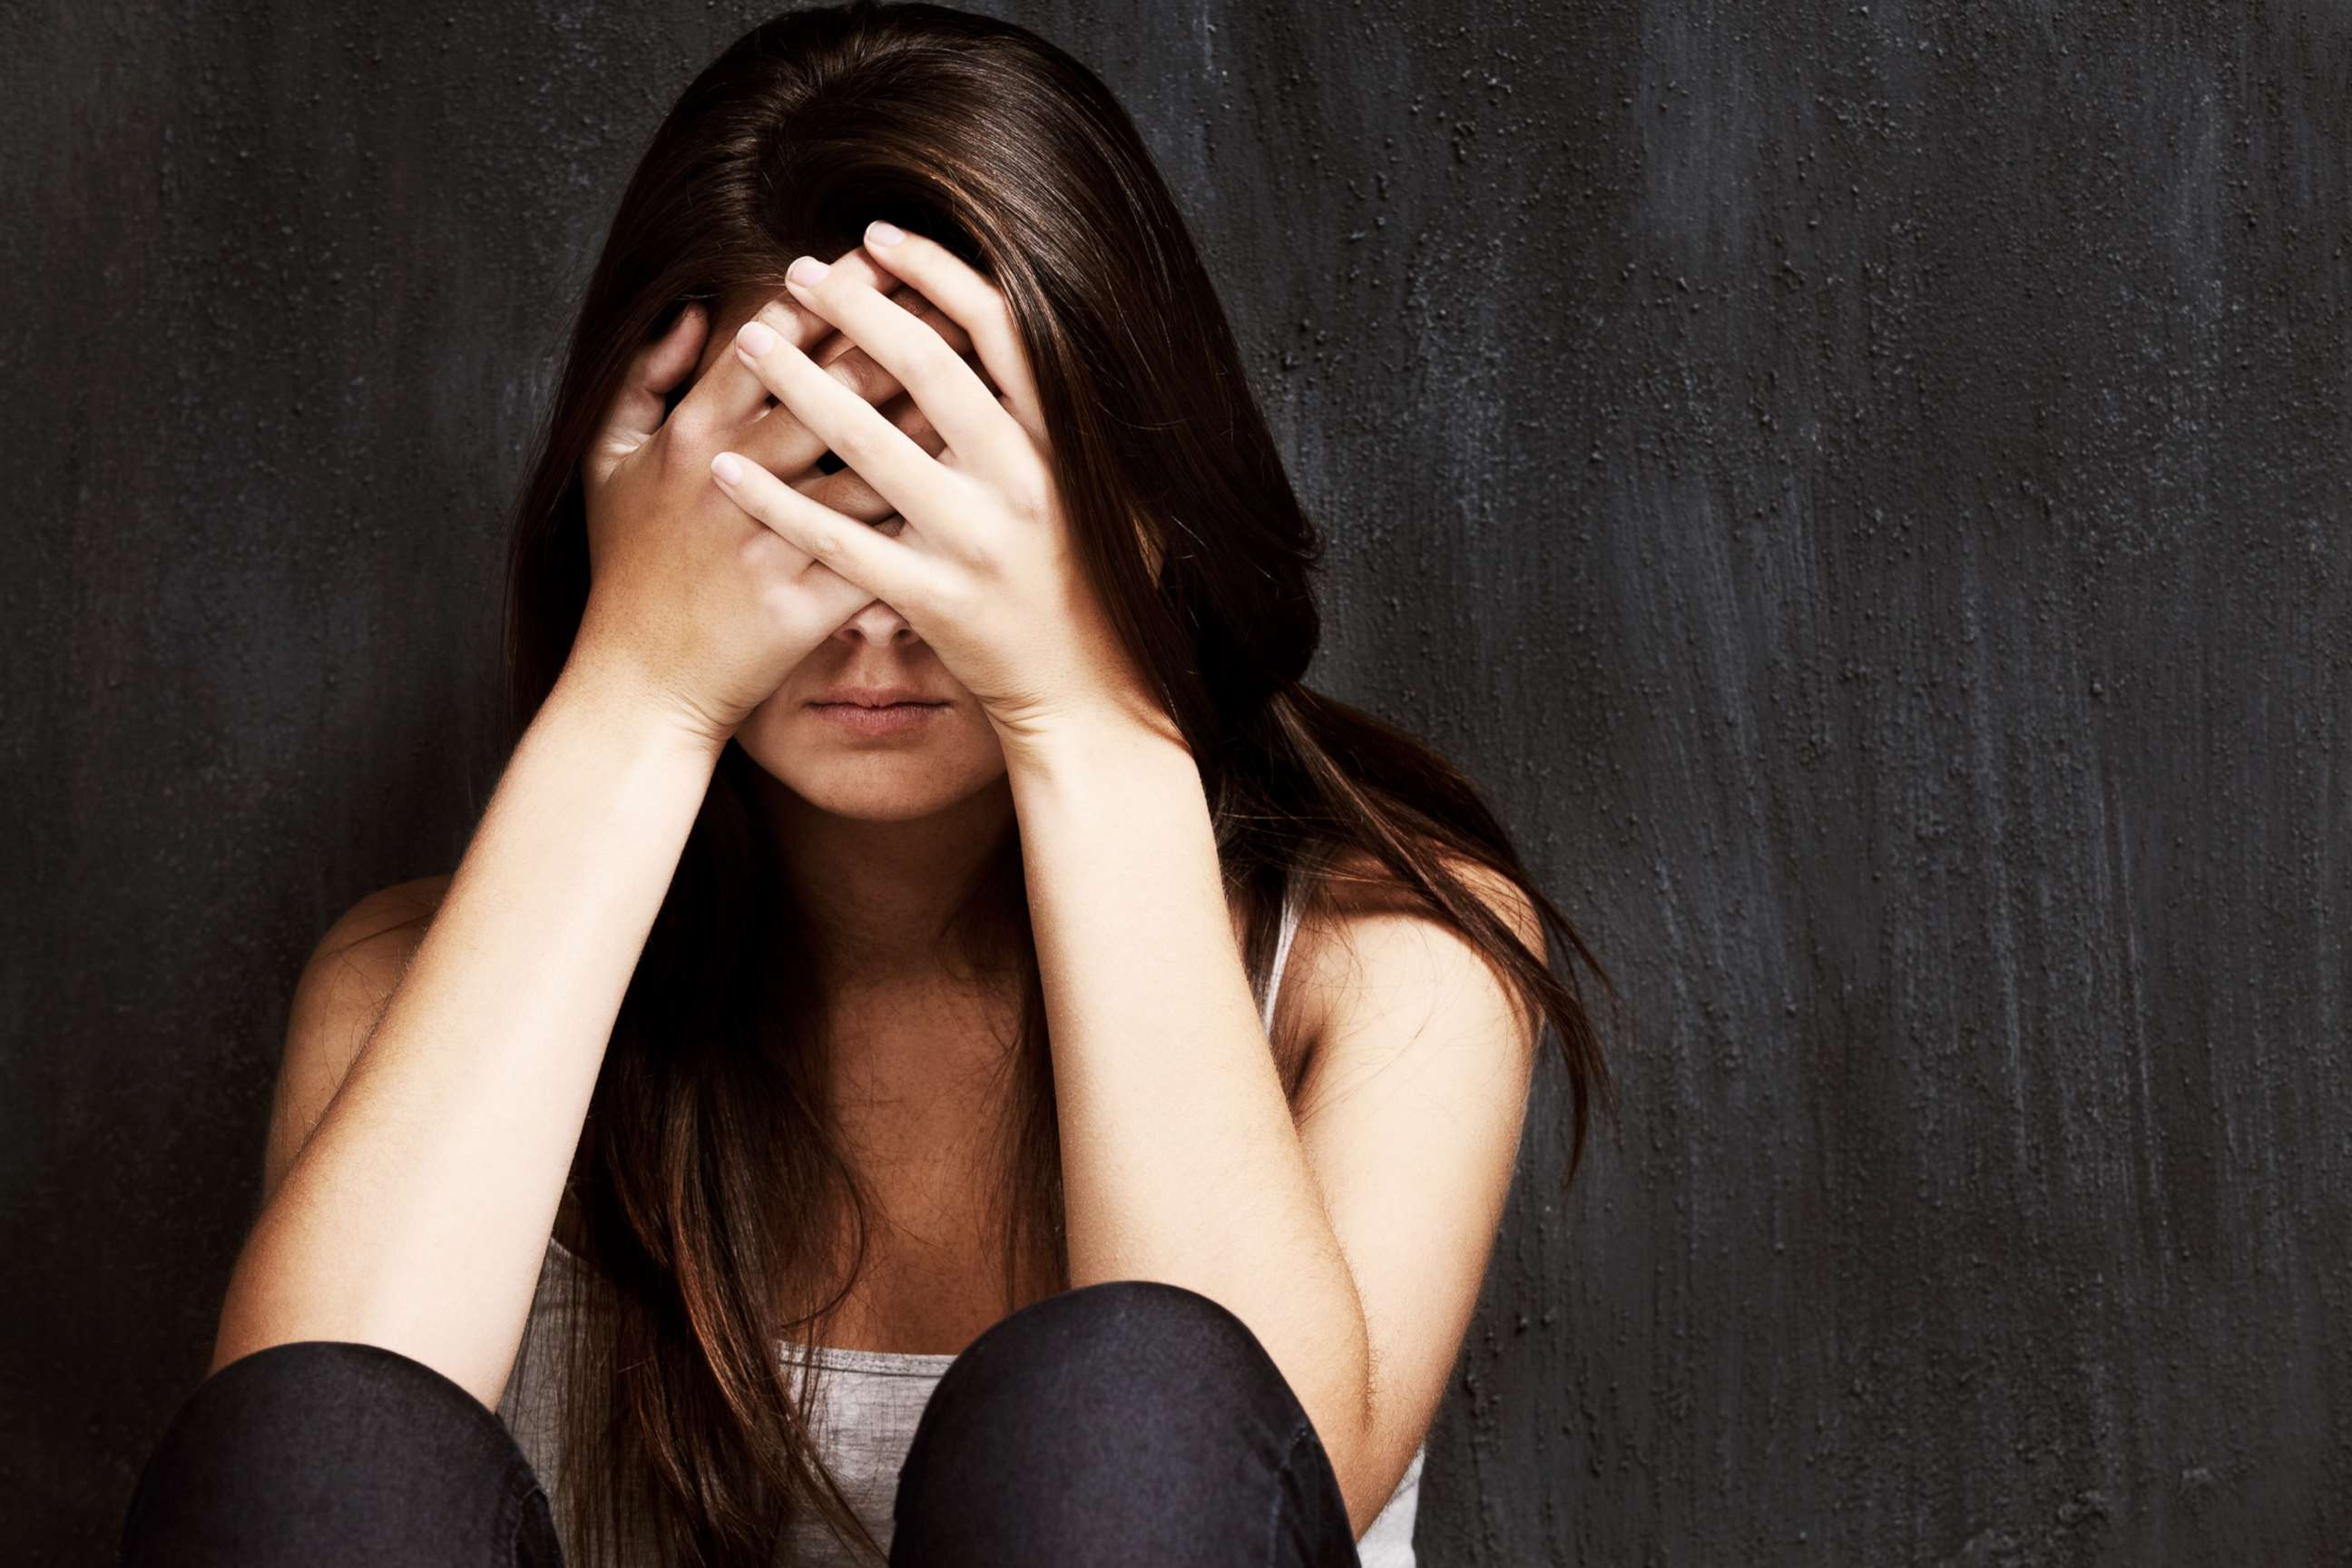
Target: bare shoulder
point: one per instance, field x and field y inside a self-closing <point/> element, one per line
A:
<point x="340" y="996"/>
<point x="1369" y="942"/>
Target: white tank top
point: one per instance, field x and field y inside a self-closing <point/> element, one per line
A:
<point x="868" y="1404"/>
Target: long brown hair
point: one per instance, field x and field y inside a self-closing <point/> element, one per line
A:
<point x="712" y="1200"/>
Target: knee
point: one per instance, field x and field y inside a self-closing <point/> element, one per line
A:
<point x="324" y="1451"/>
<point x="1111" y="1353"/>
<point x="1130" y="1395"/>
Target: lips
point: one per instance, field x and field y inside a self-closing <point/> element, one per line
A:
<point x="877" y="718"/>
<point x="876" y="697"/>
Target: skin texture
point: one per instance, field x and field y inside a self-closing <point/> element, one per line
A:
<point x="1180" y="1158"/>
<point x="434" y="1087"/>
<point x="813" y="760"/>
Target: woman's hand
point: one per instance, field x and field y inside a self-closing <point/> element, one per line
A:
<point x="691" y="601"/>
<point x="985" y="569"/>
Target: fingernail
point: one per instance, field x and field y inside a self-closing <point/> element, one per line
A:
<point x="755" y="338"/>
<point x="880" y="233"/>
<point x="807" y="270"/>
<point x="728" y="466"/>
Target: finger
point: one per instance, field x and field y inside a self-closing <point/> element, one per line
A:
<point x="977" y="426"/>
<point x="786" y="446"/>
<point x="858" y="371"/>
<point x="845" y="490"/>
<point x="884" y="567"/>
<point x="638" y="408"/>
<point x="863" y="505"/>
<point x="973" y="302"/>
<point x="871" y="381"/>
<point x="908" y="415"/>
<point x="845" y="493"/>
<point x="729" y="394"/>
<point x="890" y="460"/>
<point x="909" y="298"/>
<point x="780" y="444"/>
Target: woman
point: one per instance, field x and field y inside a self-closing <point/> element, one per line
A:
<point x="703" y="1123"/>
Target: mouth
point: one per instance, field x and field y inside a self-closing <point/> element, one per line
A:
<point x="877" y="718"/>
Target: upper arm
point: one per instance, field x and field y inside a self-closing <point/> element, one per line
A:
<point x="1409" y="1113"/>
<point x="337" y="1003"/>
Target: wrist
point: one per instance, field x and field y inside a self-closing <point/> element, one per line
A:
<point x="634" y="707"/>
<point x="1121" y="743"/>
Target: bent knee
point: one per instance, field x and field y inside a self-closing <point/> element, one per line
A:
<point x="1117" y="1344"/>
<point x="334" y="1448"/>
<point x="1104" y="1388"/>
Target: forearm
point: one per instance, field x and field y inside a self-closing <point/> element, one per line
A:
<point x="1180" y="1157"/>
<point x="418" y="1214"/>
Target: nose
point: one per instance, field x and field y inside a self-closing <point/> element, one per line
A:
<point x="877" y="623"/>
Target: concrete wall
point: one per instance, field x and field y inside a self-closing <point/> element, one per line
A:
<point x="1863" y="486"/>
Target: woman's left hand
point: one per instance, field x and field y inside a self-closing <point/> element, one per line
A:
<point x="984" y="569"/>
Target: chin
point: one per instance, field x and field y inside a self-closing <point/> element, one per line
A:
<point x="874" y="778"/>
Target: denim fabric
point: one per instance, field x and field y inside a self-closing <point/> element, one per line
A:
<point x="1131" y="1421"/>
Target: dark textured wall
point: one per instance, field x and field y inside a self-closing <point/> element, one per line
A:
<point x="1863" y="485"/>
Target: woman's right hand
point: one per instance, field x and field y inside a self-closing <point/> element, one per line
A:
<point x="691" y="602"/>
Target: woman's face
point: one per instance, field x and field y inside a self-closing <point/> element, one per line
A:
<point x="885" y="764"/>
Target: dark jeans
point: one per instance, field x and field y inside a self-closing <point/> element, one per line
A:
<point x="1128" y="1421"/>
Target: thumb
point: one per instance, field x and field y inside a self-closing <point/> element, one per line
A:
<point x="665" y="362"/>
<point x="638" y="409"/>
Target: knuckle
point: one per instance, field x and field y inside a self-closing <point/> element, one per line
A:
<point x="687" y="426"/>
<point x="854" y="444"/>
<point x="929" y="361"/>
<point x="940" y="596"/>
<point x="1027" y="489"/>
<point x="779" y="601"/>
<point x="983" y="559"/>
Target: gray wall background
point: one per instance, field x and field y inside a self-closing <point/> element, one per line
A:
<point x="1861" y="486"/>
